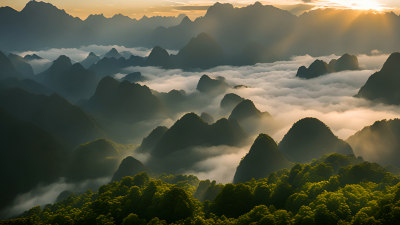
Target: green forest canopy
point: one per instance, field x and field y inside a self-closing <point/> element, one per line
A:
<point x="335" y="189"/>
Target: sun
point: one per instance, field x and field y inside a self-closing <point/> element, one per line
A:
<point x="360" y="4"/>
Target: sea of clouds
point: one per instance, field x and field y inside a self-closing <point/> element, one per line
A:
<point x="273" y="87"/>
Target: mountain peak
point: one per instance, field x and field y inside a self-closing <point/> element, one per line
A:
<point x="40" y="8"/>
<point x="158" y="57"/>
<point x="211" y="86"/>
<point x="245" y="109"/>
<point x="113" y="53"/>
<point x="219" y="8"/>
<point x="62" y="60"/>
<point x="92" y="54"/>
<point x="262" y="159"/>
<point x="186" y="20"/>
<point x="310" y="138"/>
<point x="392" y="63"/>
<point x="32" y="57"/>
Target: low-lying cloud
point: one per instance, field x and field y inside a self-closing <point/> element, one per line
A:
<point x="274" y="88"/>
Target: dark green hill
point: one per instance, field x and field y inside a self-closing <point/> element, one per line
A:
<point x="129" y="167"/>
<point x="262" y="159"/>
<point x="53" y="114"/>
<point x="124" y="101"/>
<point x="96" y="159"/>
<point x="310" y="138"/>
<point x="29" y="156"/>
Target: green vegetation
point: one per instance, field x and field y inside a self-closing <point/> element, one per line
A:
<point x="322" y="192"/>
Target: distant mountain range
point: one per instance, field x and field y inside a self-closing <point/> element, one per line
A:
<point x="41" y="25"/>
<point x="256" y="33"/>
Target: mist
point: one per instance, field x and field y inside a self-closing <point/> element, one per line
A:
<point x="47" y="194"/>
<point x="274" y="88"/>
<point x="79" y="54"/>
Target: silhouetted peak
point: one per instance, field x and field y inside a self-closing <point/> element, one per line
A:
<point x="318" y="63"/>
<point x="230" y="101"/>
<point x="128" y="167"/>
<point x="158" y="51"/>
<point x="92" y="54"/>
<point x="263" y="143"/>
<point x="40" y="8"/>
<point x="262" y="159"/>
<point x="257" y="4"/>
<point x="158" y="57"/>
<point x="219" y="8"/>
<point x="95" y="18"/>
<point x="207" y="84"/>
<point x="61" y="63"/>
<point x="32" y="57"/>
<point x="8" y="11"/>
<point x="316" y="69"/>
<point x="189" y="118"/>
<point x="120" y="18"/>
<point x="62" y="59"/>
<point x="345" y="62"/>
<point x="245" y="109"/>
<point x="186" y="20"/>
<point x="113" y="53"/>
<point x="310" y="123"/>
<point x="392" y="64"/>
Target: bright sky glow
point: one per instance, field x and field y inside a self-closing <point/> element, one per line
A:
<point x="193" y="8"/>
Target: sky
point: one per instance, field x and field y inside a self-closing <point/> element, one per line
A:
<point x="192" y="8"/>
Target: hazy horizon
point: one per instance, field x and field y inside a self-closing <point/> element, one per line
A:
<point x="196" y="8"/>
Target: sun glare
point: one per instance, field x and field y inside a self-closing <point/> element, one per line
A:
<point x="361" y="4"/>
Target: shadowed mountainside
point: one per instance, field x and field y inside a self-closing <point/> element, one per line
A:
<point x="310" y="138"/>
<point x="382" y="86"/>
<point x="262" y="159"/>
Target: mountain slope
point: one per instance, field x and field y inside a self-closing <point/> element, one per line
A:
<point x="378" y="143"/>
<point x="73" y="82"/>
<point x="262" y="159"/>
<point x="382" y="86"/>
<point x="54" y="114"/>
<point x="308" y="139"/>
<point x="29" y="156"/>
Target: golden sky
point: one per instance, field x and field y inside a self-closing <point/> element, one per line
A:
<point x="193" y="8"/>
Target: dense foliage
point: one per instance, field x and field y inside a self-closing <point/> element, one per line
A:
<point x="322" y="192"/>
